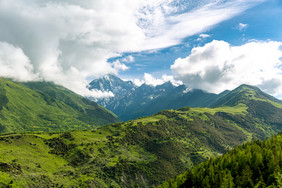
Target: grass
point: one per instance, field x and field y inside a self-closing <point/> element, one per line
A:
<point x="148" y="119"/>
<point x="239" y="109"/>
<point x="265" y="100"/>
<point x="252" y="95"/>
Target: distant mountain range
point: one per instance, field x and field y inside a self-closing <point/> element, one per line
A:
<point x="131" y="101"/>
<point x="139" y="153"/>
<point x="44" y="106"/>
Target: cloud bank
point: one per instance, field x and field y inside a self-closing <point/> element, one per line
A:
<point x="153" y="81"/>
<point x="68" y="41"/>
<point x="13" y="60"/>
<point x="218" y="66"/>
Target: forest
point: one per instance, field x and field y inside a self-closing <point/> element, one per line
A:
<point x="253" y="164"/>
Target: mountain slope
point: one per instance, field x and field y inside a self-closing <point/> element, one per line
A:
<point x="245" y="93"/>
<point x="142" y="152"/>
<point x="255" y="164"/>
<point x="173" y="99"/>
<point x="112" y="83"/>
<point x="132" y="102"/>
<point x="42" y="106"/>
<point x="261" y="106"/>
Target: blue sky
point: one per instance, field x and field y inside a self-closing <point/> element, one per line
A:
<point x="263" y="22"/>
<point x="209" y="44"/>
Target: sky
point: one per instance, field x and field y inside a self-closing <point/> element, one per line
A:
<point x="212" y="45"/>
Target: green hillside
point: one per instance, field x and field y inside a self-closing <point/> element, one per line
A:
<point x="255" y="164"/>
<point x="143" y="152"/>
<point x="246" y="94"/>
<point x="44" y="106"/>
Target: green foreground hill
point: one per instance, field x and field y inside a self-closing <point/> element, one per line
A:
<point x="143" y="152"/>
<point x="44" y="106"/>
<point x="255" y="164"/>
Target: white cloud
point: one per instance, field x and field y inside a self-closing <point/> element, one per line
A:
<point x="128" y="59"/>
<point x="218" y="66"/>
<point x="98" y="94"/>
<point x="13" y="60"/>
<point x="242" y="26"/>
<point x="66" y="41"/>
<point x="117" y="65"/>
<point x="151" y="80"/>
<point x="170" y="78"/>
<point x="175" y="28"/>
<point x="204" y="36"/>
<point x="138" y="82"/>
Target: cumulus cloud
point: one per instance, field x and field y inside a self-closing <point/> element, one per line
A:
<point x="13" y="60"/>
<point x="218" y="66"/>
<point x="151" y="80"/>
<point x="67" y="41"/>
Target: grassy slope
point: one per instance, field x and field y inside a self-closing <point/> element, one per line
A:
<point x="142" y="152"/>
<point x="41" y="106"/>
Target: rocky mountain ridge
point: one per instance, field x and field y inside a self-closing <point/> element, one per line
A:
<point x="131" y="101"/>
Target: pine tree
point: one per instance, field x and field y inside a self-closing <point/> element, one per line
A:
<point x="227" y="181"/>
<point x="247" y="177"/>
